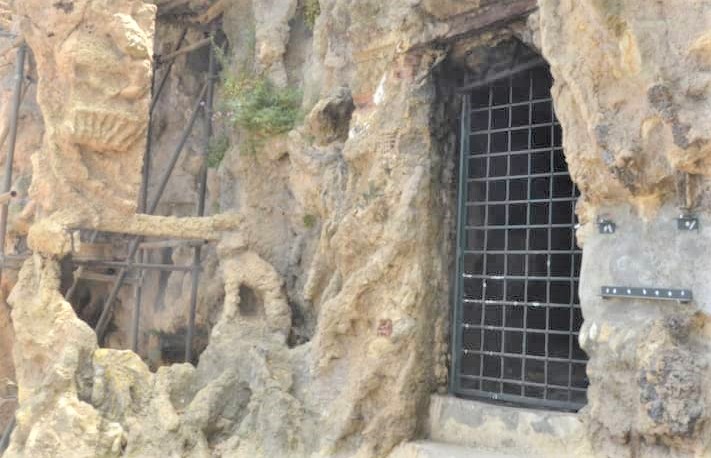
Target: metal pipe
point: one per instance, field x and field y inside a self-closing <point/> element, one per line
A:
<point x="202" y="194"/>
<point x="10" y="158"/>
<point x="136" y="265"/>
<point x="110" y="264"/>
<point x="143" y="200"/>
<point x="178" y="150"/>
<point x="136" y="318"/>
<point x="164" y="79"/>
<point x="154" y="101"/>
<point x="5" y="439"/>
<point x="103" y="322"/>
<point x="105" y="278"/>
<point x="133" y="247"/>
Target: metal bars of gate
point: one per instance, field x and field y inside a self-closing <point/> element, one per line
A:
<point x="516" y="313"/>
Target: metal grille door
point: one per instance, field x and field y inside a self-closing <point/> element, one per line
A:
<point x="517" y="312"/>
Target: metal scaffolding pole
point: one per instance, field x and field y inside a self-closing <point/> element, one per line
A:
<point x="146" y="161"/>
<point x="202" y="193"/>
<point x="10" y="158"/>
<point x="135" y="265"/>
<point x="133" y="247"/>
<point x="5" y="439"/>
<point x="143" y="200"/>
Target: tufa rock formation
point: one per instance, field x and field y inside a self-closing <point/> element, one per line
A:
<point x="324" y="305"/>
<point x="634" y="110"/>
<point x="94" y="61"/>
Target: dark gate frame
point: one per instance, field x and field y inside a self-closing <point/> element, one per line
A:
<point x="576" y="359"/>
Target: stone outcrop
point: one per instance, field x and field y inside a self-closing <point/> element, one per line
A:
<point x="99" y="54"/>
<point x="326" y="299"/>
<point x="634" y="111"/>
<point x="315" y="348"/>
<point x="94" y="92"/>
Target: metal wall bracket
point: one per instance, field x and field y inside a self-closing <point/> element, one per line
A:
<point x="663" y="294"/>
<point x="605" y="226"/>
<point x="687" y="223"/>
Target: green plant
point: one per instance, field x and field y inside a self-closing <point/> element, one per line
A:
<point x="309" y="221"/>
<point x="216" y="150"/>
<point x="312" y="10"/>
<point x="260" y="107"/>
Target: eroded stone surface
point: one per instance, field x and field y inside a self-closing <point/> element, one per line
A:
<point x="99" y="53"/>
<point x="94" y="61"/>
<point x="327" y="312"/>
<point x="634" y="111"/>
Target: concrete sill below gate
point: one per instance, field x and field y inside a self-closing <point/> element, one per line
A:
<point x="501" y="428"/>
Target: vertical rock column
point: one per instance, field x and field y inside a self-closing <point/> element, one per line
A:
<point x="94" y="60"/>
<point x="94" y="66"/>
<point x="632" y="93"/>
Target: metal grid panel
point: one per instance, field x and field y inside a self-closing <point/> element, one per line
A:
<point x="517" y="311"/>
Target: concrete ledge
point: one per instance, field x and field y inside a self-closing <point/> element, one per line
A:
<point x="505" y="429"/>
<point x="429" y="449"/>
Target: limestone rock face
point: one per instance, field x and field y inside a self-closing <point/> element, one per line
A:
<point x="334" y="293"/>
<point x="330" y="119"/>
<point x="633" y="105"/>
<point x="327" y="311"/>
<point x="52" y="352"/>
<point x="631" y="92"/>
<point x="79" y="400"/>
<point x="94" y="59"/>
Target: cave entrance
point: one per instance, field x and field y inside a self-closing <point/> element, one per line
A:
<point x="517" y="312"/>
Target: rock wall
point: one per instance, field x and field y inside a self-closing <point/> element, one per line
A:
<point x="92" y="153"/>
<point x="30" y="132"/>
<point x="631" y="91"/>
<point x="325" y="300"/>
<point x="330" y="335"/>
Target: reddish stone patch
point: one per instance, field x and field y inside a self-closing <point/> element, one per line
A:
<point x="385" y="328"/>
